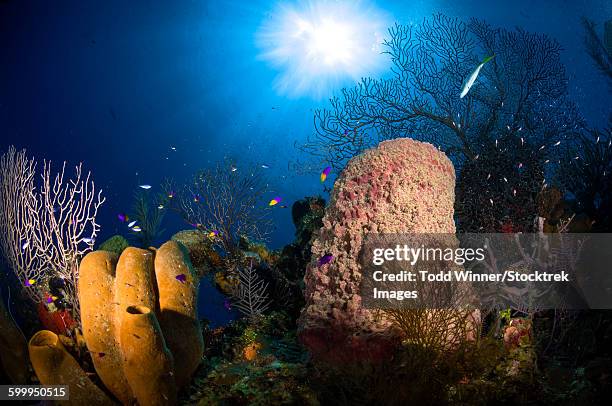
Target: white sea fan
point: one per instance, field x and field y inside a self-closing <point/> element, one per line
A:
<point x="249" y="295"/>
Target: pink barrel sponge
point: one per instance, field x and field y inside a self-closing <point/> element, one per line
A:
<point x="401" y="186"/>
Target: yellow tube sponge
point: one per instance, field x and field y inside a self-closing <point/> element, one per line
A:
<point x="13" y="348"/>
<point x="148" y="362"/>
<point x="96" y="296"/>
<point x="54" y="366"/>
<point x="177" y="285"/>
<point x="134" y="284"/>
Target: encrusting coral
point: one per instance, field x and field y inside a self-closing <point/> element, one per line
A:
<point x="402" y="186"/>
<point x="202" y="254"/>
<point x="116" y="244"/>
<point x="156" y="294"/>
<point x="55" y="366"/>
<point x="13" y="348"/>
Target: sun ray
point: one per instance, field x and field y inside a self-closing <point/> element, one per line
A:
<point x="317" y="46"/>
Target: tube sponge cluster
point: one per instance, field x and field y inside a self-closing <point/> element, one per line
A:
<point x="140" y="321"/>
<point x="401" y="186"/>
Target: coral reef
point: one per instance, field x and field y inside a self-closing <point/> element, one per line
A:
<point x="115" y="244"/>
<point x="201" y="251"/>
<point x="13" y="348"/>
<point x="403" y="186"/>
<point x="155" y="293"/>
<point x="307" y="215"/>
<point x="255" y="362"/>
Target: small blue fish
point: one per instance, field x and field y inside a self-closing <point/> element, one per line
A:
<point x="145" y="187"/>
<point x="325" y="259"/>
<point x="182" y="278"/>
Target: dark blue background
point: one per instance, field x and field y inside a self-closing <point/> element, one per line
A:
<point x="116" y="84"/>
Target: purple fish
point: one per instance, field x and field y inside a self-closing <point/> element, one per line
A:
<point x="325" y="259"/>
<point x="227" y="304"/>
<point x="181" y="278"/>
<point x="122" y="217"/>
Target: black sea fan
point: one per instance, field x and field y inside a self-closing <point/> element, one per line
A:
<point x="598" y="49"/>
<point x="226" y="201"/>
<point x="522" y="91"/>
<point x="497" y="191"/>
<point x="585" y="173"/>
<point x="148" y="217"/>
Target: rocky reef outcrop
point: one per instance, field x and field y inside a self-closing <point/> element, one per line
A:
<point x="402" y="186"/>
<point x="13" y="348"/>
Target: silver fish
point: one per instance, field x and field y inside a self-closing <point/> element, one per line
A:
<point x="472" y="78"/>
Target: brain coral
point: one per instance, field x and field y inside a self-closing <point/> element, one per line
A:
<point x="402" y="186"/>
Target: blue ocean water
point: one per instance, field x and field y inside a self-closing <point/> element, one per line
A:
<point x="119" y="85"/>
